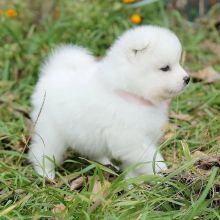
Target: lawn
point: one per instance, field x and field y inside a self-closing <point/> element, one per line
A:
<point x="83" y="189"/>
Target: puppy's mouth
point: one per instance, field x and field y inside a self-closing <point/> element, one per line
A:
<point x="172" y="92"/>
<point x="169" y="93"/>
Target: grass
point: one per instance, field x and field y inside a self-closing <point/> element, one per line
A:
<point x="188" y="192"/>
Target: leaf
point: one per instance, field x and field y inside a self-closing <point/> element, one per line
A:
<point x="170" y="131"/>
<point x="77" y="183"/>
<point x="99" y="189"/>
<point x="59" y="208"/>
<point x="206" y="162"/>
<point x="180" y="116"/>
<point x="208" y="75"/>
<point x="199" y="155"/>
<point x="99" y="192"/>
<point x="213" y="47"/>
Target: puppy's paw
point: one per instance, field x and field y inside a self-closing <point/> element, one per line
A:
<point x="103" y="160"/>
<point x="160" y="167"/>
<point x="45" y="172"/>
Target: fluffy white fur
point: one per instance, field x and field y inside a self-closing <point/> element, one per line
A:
<point x="75" y="103"/>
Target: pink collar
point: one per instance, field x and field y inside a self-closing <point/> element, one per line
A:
<point x="133" y="98"/>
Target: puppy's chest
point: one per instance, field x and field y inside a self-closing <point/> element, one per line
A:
<point x="154" y="122"/>
<point x="149" y="121"/>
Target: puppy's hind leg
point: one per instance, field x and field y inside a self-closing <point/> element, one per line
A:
<point x="47" y="148"/>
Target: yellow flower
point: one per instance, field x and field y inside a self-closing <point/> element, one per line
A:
<point x="136" y="19"/>
<point x="56" y="13"/>
<point x="128" y="1"/>
<point x="11" y="13"/>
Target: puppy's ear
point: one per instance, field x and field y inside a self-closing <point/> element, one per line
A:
<point x="137" y="51"/>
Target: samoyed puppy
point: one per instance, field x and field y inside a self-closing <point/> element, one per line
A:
<point x="114" y="108"/>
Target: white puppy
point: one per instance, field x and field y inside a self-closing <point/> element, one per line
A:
<point x="112" y="108"/>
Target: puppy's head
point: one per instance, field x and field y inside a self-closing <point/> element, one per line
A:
<point x="147" y="59"/>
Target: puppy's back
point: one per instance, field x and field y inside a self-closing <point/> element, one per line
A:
<point x="67" y="57"/>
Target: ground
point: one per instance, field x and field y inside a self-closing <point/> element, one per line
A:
<point x="83" y="189"/>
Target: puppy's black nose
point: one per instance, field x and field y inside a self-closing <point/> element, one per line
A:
<point x="186" y="79"/>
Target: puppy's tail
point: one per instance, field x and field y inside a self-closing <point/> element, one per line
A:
<point x="68" y="57"/>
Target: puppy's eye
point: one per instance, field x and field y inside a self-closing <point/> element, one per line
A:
<point x="165" y="69"/>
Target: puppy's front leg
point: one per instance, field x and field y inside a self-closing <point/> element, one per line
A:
<point x="144" y="159"/>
